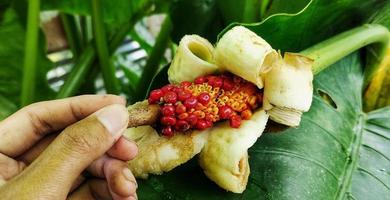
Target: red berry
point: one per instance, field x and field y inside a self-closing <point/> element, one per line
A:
<point x="183" y="95"/>
<point x="235" y="121"/>
<point x="168" y="110"/>
<point x="155" y="96"/>
<point x="151" y="101"/>
<point x="209" y="78"/>
<point x="177" y="90"/>
<point x="228" y="84"/>
<point x="192" y="119"/>
<point x="209" y="117"/>
<point x="204" y="98"/>
<point x="190" y="102"/>
<point x="168" y="121"/>
<point x="167" y="131"/>
<point x="170" y="97"/>
<point x="218" y="82"/>
<point x="225" y="112"/>
<point x="180" y="109"/>
<point x="209" y="124"/>
<point x="200" y="80"/>
<point x="201" y="124"/>
<point x="185" y="84"/>
<point x="199" y="106"/>
<point x="182" y="125"/>
<point x="167" y="88"/>
<point x="215" y="81"/>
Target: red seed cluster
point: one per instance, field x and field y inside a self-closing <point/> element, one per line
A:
<point x="209" y="99"/>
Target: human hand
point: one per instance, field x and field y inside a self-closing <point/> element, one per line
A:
<point x="38" y="163"/>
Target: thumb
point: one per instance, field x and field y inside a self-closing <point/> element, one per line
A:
<point x="74" y="149"/>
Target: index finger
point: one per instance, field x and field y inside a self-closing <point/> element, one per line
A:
<point x="25" y="127"/>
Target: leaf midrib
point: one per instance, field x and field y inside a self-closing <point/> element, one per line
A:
<point x="353" y="157"/>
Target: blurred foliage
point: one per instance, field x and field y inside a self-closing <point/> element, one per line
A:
<point x="11" y="52"/>
<point x="200" y="17"/>
<point x="305" y="163"/>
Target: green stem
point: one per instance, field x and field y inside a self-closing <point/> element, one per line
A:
<point x="330" y="51"/>
<point x="263" y="8"/>
<point x="84" y="30"/>
<point x="83" y="64"/>
<point x="108" y="70"/>
<point x="30" y="55"/>
<point x="157" y="53"/>
<point x="77" y="75"/>
<point x="251" y="11"/>
<point x="72" y="34"/>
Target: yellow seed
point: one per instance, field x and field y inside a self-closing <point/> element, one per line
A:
<point x="200" y="114"/>
<point x="235" y="105"/>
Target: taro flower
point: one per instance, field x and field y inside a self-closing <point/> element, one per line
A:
<point x="198" y="98"/>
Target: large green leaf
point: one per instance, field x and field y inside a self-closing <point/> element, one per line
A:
<point x="200" y="17"/>
<point x="336" y="153"/>
<point x="319" y="20"/>
<point x="381" y="16"/>
<point x="240" y="11"/>
<point x="285" y="6"/>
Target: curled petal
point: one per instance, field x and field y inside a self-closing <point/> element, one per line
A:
<point x="224" y="158"/>
<point x="288" y="89"/>
<point x="193" y="58"/>
<point x="245" y="54"/>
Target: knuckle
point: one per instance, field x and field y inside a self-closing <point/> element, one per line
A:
<point x="84" y="138"/>
<point x="39" y="125"/>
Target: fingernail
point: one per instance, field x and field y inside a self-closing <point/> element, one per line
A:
<point x="114" y="118"/>
<point x="129" y="176"/>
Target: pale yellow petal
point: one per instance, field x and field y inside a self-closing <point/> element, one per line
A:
<point x="288" y="89"/>
<point x="224" y="158"/>
<point x="193" y="58"/>
<point x="245" y="54"/>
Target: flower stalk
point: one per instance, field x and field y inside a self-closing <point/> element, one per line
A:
<point x="331" y="50"/>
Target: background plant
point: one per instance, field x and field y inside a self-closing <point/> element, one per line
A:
<point x="336" y="136"/>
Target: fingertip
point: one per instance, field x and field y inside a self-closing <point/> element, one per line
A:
<point x="130" y="180"/>
<point x="114" y="118"/>
<point x="123" y="149"/>
<point x="120" y="179"/>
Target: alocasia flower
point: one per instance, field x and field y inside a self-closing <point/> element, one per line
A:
<point x="211" y="85"/>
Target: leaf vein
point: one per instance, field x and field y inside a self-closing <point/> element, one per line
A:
<point x="376" y="133"/>
<point x="374" y="176"/>
<point x="379" y="152"/>
<point x="343" y="146"/>
<point x="296" y="155"/>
